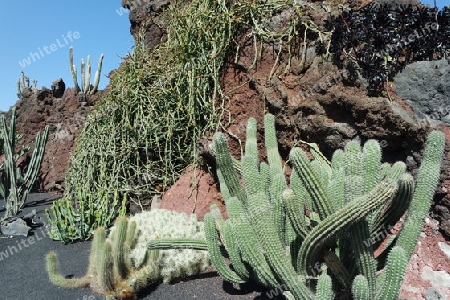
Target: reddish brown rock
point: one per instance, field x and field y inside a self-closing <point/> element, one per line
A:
<point x="65" y="117"/>
<point x="194" y="192"/>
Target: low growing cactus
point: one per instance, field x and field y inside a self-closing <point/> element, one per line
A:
<point x="314" y="239"/>
<point x="121" y="265"/>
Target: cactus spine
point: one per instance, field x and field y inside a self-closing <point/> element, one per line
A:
<point x="15" y="186"/>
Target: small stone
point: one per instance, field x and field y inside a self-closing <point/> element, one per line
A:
<point x="433" y="294"/>
<point x="445" y="248"/>
<point x="16" y="227"/>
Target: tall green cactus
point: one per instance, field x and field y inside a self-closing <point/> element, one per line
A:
<point x="15" y="186"/>
<point x="294" y="238"/>
<point x="86" y="87"/>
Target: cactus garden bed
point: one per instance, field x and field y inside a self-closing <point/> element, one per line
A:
<point x="24" y="277"/>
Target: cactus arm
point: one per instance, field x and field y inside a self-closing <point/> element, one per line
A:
<point x="87" y="75"/>
<point x="233" y="251"/>
<point x="118" y="255"/>
<point x="353" y="159"/>
<point x="312" y="183"/>
<point x="97" y="243"/>
<point x="270" y="138"/>
<point x="427" y="179"/>
<point x="97" y="76"/>
<point x="278" y="185"/>
<point x="349" y="214"/>
<point x="389" y="287"/>
<point x="83" y="75"/>
<point x="295" y="212"/>
<point x="105" y="275"/>
<point x="225" y="165"/>
<point x="57" y="279"/>
<point x="251" y="146"/>
<point x="364" y="258"/>
<point x="335" y="188"/>
<point x="212" y="238"/>
<point x="360" y="288"/>
<point x="73" y="70"/>
<point x="252" y="178"/>
<point x="249" y="243"/>
<point x="274" y="250"/>
<point x="393" y="210"/>
<point x="324" y="289"/>
<point x="178" y="243"/>
<point x="131" y="234"/>
<point x="371" y="162"/>
<point x="300" y="191"/>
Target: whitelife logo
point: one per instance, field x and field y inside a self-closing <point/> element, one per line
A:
<point x="34" y="56"/>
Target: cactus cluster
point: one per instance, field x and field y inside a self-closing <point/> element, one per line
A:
<point x="120" y="265"/>
<point x="314" y="237"/>
<point x="15" y="186"/>
<point x="23" y="83"/>
<point x="86" y="86"/>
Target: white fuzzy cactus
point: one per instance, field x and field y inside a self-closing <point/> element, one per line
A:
<point x="161" y="224"/>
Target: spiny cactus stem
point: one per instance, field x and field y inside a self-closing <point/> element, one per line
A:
<point x="57" y="279"/>
<point x="349" y="214"/>
<point x="225" y="165"/>
<point x="97" y="75"/>
<point x="427" y="179"/>
<point x="178" y="243"/>
<point x="389" y="288"/>
<point x="212" y="238"/>
<point x="73" y="70"/>
<point x="313" y="184"/>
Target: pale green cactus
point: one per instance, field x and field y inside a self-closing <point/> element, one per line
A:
<point x="86" y="86"/>
<point x="23" y="83"/>
<point x="15" y="186"/>
<point x="269" y="238"/>
<point x="120" y="265"/>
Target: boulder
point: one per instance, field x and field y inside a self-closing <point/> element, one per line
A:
<point x="58" y="88"/>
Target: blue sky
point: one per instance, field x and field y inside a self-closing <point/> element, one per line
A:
<point x="28" y="26"/>
<point x="36" y="36"/>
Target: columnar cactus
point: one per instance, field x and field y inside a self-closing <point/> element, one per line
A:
<point x="86" y="86"/>
<point x="15" y="186"/>
<point x="318" y="233"/>
<point x="368" y="200"/>
<point x="23" y="83"/>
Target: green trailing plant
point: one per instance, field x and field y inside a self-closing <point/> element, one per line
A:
<point x="163" y="100"/>
<point x="120" y="265"/>
<point x="14" y="185"/>
<point x="158" y="107"/>
<point x="86" y="86"/>
<point x="314" y="238"/>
